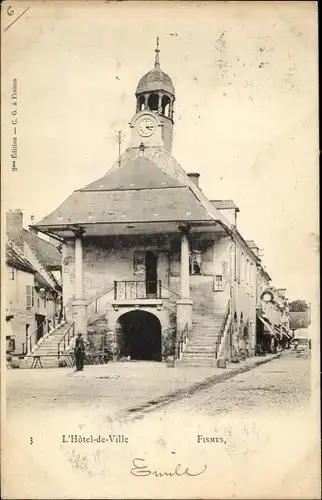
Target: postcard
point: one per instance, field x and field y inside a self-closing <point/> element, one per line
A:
<point x="160" y="299"/>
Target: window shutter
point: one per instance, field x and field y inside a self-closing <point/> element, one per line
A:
<point x="29" y="297"/>
<point x="207" y="260"/>
<point x="139" y="264"/>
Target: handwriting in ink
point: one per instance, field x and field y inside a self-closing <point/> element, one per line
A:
<point x="142" y="470"/>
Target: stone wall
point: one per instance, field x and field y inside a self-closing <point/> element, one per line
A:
<point x="111" y="259"/>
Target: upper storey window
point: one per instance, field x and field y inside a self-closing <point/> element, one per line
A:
<point x="195" y="261"/>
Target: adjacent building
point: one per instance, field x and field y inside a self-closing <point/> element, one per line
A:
<point x="33" y="285"/>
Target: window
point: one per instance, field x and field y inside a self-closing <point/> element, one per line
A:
<point x="30" y="296"/>
<point x="38" y="303"/>
<point x="219" y="283"/>
<point x="238" y="259"/>
<point x="195" y="262"/>
<point x="45" y="302"/>
<point x="251" y="275"/>
<point x="11" y="273"/>
<point x="11" y="344"/>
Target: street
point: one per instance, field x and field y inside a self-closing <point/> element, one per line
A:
<point x="281" y="386"/>
<point x="252" y="434"/>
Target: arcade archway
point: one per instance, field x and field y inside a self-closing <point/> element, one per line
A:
<point x="139" y="336"/>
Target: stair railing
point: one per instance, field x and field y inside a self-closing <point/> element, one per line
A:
<point x="182" y="341"/>
<point x="65" y="340"/>
<point x="169" y="299"/>
<point x="96" y="299"/>
<point x="49" y="322"/>
<point x="169" y="290"/>
<point x="222" y="329"/>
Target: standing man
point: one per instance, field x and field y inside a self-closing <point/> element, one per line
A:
<point x="80" y="352"/>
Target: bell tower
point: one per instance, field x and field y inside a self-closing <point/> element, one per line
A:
<point x="155" y="97"/>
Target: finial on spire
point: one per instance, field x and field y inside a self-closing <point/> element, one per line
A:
<point x="157" y="51"/>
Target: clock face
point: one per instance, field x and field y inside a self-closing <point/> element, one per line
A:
<point x="146" y="127"/>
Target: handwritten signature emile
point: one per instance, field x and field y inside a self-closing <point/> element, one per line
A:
<point x="141" y="470"/>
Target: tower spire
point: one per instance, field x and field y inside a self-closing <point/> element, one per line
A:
<point x="157" y="52"/>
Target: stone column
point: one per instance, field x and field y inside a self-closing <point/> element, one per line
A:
<point x="160" y="104"/>
<point x="184" y="304"/>
<point x="184" y="267"/>
<point x="146" y="97"/>
<point x="171" y="109"/>
<point x="79" y="303"/>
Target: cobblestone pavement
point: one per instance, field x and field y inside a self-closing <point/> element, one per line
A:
<point x="253" y="432"/>
<point x="113" y="387"/>
<point x="281" y="386"/>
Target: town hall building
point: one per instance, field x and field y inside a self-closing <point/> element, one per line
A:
<point x="152" y="269"/>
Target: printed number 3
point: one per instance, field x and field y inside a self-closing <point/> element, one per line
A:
<point x="31" y="440"/>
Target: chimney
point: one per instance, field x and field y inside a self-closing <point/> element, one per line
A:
<point x="194" y="176"/>
<point x="14" y="227"/>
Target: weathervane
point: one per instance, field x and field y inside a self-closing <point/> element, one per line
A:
<point x="157" y="52"/>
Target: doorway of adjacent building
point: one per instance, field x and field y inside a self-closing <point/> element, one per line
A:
<point x="40" y="318"/>
<point x="139" y="336"/>
<point x="151" y="275"/>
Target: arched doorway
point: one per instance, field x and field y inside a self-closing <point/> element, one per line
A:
<point x="139" y="336"/>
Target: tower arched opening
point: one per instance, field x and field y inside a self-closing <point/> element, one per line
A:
<point x="165" y="106"/>
<point x="141" y="103"/>
<point x="153" y="102"/>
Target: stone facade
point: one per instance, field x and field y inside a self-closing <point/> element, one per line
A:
<point x="106" y="260"/>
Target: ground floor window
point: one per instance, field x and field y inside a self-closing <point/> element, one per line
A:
<point x="219" y="283"/>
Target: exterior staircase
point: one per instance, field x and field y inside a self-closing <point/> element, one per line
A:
<point x="48" y="348"/>
<point x="201" y="347"/>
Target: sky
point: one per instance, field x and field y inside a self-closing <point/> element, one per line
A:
<point x="246" y="115"/>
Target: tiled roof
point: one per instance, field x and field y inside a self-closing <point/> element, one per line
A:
<point x="41" y="281"/>
<point x="46" y="253"/>
<point x="138" y="173"/>
<point x="114" y="198"/>
<point x="225" y="204"/>
<point x="155" y="79"/>
<point x="14" y="259"/>
<point x="175" y="204"/>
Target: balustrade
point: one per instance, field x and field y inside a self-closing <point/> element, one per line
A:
<point x="127" y="290"/>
